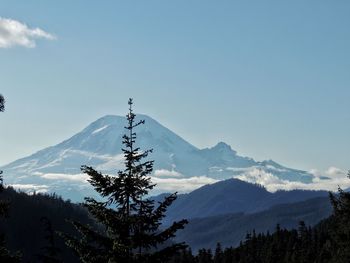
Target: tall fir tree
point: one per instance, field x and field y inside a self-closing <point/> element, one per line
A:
<point x="219" y="254"/>
<point x="3" y="205"/>
<point x="5" y="255"/>
<point x="341" y="228"/>
<point x="131" y="221"/>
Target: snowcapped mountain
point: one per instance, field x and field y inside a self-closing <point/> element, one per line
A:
<point x="178" y="164"/>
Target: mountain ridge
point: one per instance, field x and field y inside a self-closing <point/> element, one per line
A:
<point x="231" y="196"/>
<point x="177" y="162"/>
<point x="230" y="229"/>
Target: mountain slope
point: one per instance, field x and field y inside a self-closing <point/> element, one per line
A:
<point x="23" y="227"/>
<point x="178" y="164"/>
<point x="231" y="196"/>
<point x="230" y="229"/>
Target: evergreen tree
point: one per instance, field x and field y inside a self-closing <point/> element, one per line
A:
<point x="131" y="221"/>
<point x="205" y="256"/>
<point x="341" y="228"/>
<point x="2" y="103"/>
<point x="5" y="255"/>
<point x="3" y="205"/>
<point x="219" y="254"/>
<point x="51" y="252"/>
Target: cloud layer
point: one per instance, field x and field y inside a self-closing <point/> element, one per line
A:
<point x="14" y="33"/>
<point x="183" y="185"/>
<point x="172" y="181"/>
<point x="165" y="184"/>
<point x="31" y="188"/>
<point x="167" y="173"/>
<point x="67" y="177"/>
<point x="336" y="177"/>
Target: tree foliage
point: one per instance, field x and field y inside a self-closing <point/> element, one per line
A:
<point x="132" y="230"/>
<point x="2" y="103"/>
<point x="5" y="254"/>
<point x="26" y="232"/>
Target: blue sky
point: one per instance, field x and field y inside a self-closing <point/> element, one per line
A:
<point x="270" y="78"/>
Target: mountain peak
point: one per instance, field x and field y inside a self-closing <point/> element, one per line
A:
<point x="99" y="145"/>
<point x="121" y="120"/>
<point x="111" y="117"/>
<point x="223" y="147"/>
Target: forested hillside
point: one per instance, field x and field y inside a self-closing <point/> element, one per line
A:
<point x="230" y="229"/>
<point x="26" y="212"/>
<point x="326" y="242"/>
<point x="232" y="196"/>
<point x="25" y="230"/>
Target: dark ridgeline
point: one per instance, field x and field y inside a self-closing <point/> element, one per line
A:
<point x="231" y="229"/>
<point x="233" y="196"/>
<point x="131" y="220"/>
<point x="327" y="242"/>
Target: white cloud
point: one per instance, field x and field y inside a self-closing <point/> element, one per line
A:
<point x="166" y="173"/>
<point x="334" y="172"/>
<point x="259" y="176"/>
<point x="31" y="188"/>
<point x="68" y="177"/>
<point x="111" y="163"/>
<point x="272" y="183"/>
<point x="15" y="33"/>
<point x="172" y="181"/>
<point x="315" y="173"/>
<point x="183" y="185"/>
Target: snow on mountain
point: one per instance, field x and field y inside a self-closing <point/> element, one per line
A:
<point x="178" y="164"/>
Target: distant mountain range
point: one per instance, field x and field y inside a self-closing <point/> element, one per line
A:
<point x="231" y="196"/>
<point x="179" y="166"/>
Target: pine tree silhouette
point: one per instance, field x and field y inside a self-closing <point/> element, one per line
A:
<point x="2" y="103"/>
<point x="131" y="221"/>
